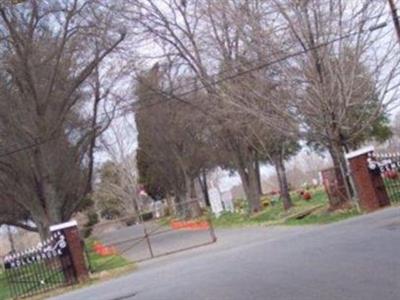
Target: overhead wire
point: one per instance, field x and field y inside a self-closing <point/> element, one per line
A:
<point x="180" y="97"/>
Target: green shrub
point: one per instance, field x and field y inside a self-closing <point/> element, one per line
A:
<point x="265" y="201"/>
<point x="93" y="219"/>
<point x="240" y="205"/>
<point x="147" y="216"/>
<point x="85" y="204"/>
<point x="110" y="213"/>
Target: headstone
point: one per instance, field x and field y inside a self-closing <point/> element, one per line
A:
<point x="227" y="201"/>
<point x="215" y="201"/>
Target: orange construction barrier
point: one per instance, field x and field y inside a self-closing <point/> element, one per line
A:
<point x="102" y="250"/>
<point x="190" y="225"/>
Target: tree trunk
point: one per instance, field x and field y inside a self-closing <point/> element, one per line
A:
<point x="170" y="204"/>
<point x="53" y="204"/>
<point x="195" y="209"/>
<point x="179" y="210"/>
<point x="204" y="187"/>
<point x="248" y="176"/>
<point x="260" y="191"/>
<point x="42" y="222"/>
<point x="10" y="239"/>
<point x="50" y="212"/>
<point x="345" y="170"/>
<point x="341" y="194"/>
<point x="254" y="189"/>
<point x="283" y="182"/>
<point x="43" y="230"/>
<point x="190" y="208"/>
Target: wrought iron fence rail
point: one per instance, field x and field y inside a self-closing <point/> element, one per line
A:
<point x="35" y="279"/>
<point x="388" y="166"/>
<point x="39" y="270"/>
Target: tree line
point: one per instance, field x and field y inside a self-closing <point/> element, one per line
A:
<point x="263" y="76"/>
<point x="212" y="83"/>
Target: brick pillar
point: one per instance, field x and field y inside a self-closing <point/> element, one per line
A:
<point x="369" y="184"/>
<point x="75" y="249"/>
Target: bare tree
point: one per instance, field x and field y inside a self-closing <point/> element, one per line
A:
<point x="342" y="84"/>
<point x="118" y="186"/>
<point x="304" y="69"/>
<point x="200" y="37"/>
<point x="49" y="50"/>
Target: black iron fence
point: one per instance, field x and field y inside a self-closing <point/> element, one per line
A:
<point x="115" y="243"/>
<point x="37" y="270"/>
<point x="4" y="288"/>
<point x="388" y="166"/>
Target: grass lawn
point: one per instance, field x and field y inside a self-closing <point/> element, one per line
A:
<point x="103" y="267"/>
<point x="31" y="279"/>
<point x="165" y="221"/>
<point x="100" y="263"/>
<point x="4" y="291"/>
<point x="393" y="190"/>
<point x="274" y="214"/>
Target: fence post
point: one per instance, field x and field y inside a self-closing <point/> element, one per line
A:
<point x="370" y="186"/>
<point x="75" y="248"/>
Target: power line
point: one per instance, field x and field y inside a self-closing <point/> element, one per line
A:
<point x="237" y="74"/>
<point x="179" y="97"/>
<point x="250" y="62"/>
<point x="266" y="64"/>
<point x="273" y="54"/>
<point x="278" y="12"/>
<point x="171" y="97"/>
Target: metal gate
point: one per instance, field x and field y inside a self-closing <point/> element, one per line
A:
<point x="142" y="237"/>
<point x="41" y="269"/>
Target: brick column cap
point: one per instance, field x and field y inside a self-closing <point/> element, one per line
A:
<point x="72" y="223"/>
<point x="360" y="152"/>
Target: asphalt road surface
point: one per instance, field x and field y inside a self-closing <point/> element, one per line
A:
<point x="354" y="259"/>
<point x="130" y="241"/>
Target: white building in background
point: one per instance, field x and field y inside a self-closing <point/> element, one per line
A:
<point x="221" y="199"/>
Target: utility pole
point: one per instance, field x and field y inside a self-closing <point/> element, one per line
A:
<point x="395" y="18"/>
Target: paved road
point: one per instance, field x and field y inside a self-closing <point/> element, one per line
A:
<point x="355" y="259"/>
